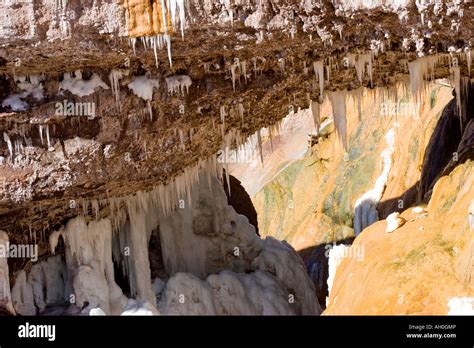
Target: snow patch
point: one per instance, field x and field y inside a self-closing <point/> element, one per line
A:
<point x="142" y="87"/>
<point x="74" y="83"/>
<point x="461" y="306"/>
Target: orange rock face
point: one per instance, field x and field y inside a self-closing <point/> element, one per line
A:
<point x="417" y="268"/>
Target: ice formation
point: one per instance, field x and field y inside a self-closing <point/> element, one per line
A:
<point x="338" y="103"/>
<point x="234" y="72"/>
<point x="142" y="86"/>
<point x="362" y="62"/>
<point x="469" y="60"/>
<point x="114" y="77"/>
<point x="178" y="83"/>
<point x="77" y="86"/>
<point x="423" y="68"/>
<point x="336" y="255"/>
<point x="45" y="284"/>
<point x="29" y="86"/>
<point x="5" y="296"/>
<point x="166" y="16"/>
<point x="314" y="107"/>
<point x="365" y="211"/>
<point x="461" y="306"/>
<point x="319" y="72"/>
<point x="461" y="91"/>
<point x="200" y="243"/>
<point x="394" y="221"/>
<point x="215" y="260"/>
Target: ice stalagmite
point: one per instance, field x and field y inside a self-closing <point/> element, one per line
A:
<point x="338" y="103"/>
<point x="319" y="72"/>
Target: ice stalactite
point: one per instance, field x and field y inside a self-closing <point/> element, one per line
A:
<point x="314" y="107"/>
<point x="421" y="69"/>
<point x="241" y="113"/>
<point x="115" y="76"/>
<point x="338" y="103"/>
<point x="365" y="210"/>
<point x="163" y="17"/>
<point x="319" y="72"/>
<point x="362" y="63"/>
<point x="178" y="84"/>
<point x="223" y="115"/>
<point x="48" y="140"/>
<point x="5" y="296"/>
<point x="234" y="72"/>
<point x="469" y="60"/>
<point x="356" y="96"/>
<point x="181" y="139"/>
<point x="460" y="89"/>
<point x="77" y="86"/>
<point x="243" y="66"/>
<point x="260" y="150"/>
<point x="6" y="138"/>
<point x="281" y="65"/>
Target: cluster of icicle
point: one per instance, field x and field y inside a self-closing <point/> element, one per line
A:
<point x="173" y="9"/>
<point x="422" y="70"/>
<point x="239" y="68"/>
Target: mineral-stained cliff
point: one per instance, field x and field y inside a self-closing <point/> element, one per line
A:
<point x="107" y="104"/>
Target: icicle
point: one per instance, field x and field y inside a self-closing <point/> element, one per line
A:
<point x="456" y="71"/>
<point x="241" y="113"/>
<point x="314" y="107"/>
<point x="181" y="139"/>
<point x="281" y="64"/>
<point x="319" y="72"/>
<point x="243" y="66"/>
<point x="47" y="136"/>
<point x="233" y="74"/>
<point x="9" y="144"/>
<point x="338" y="103"/>
<point x="114" y="77"/>
<point x="150" y="110"/>
<point x="259" y="140"/>
<point x="223" y="115"/>
<point x="469" y="60"/>
<point x="95" y="207"/>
